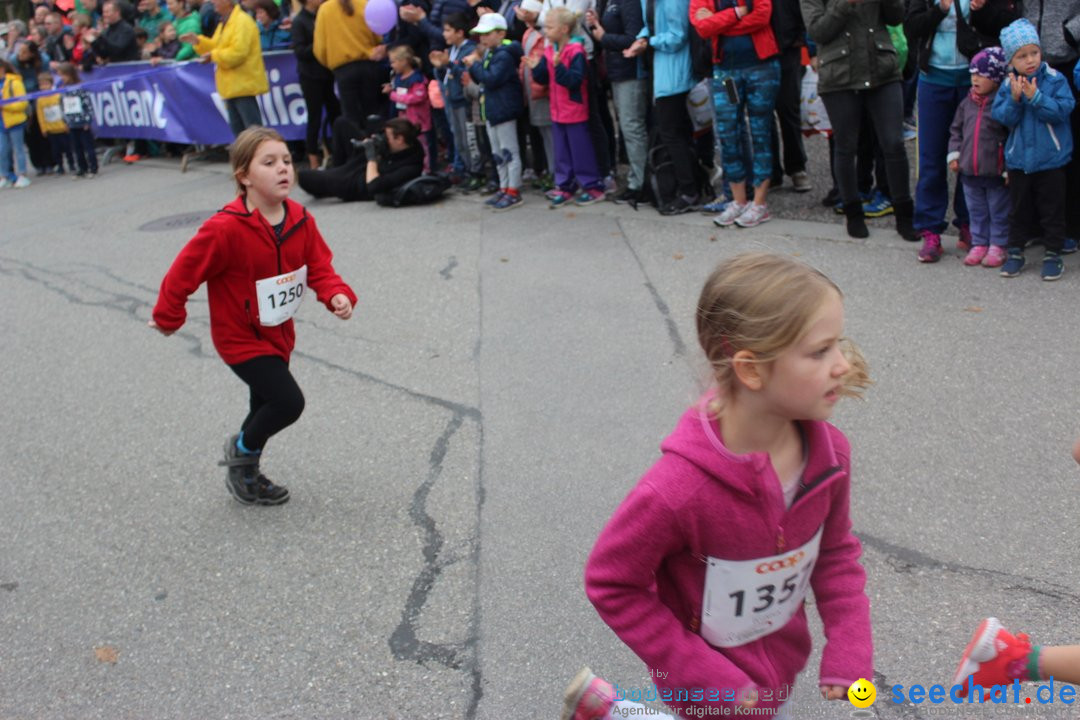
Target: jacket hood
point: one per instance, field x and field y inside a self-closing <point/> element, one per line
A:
<point x="295" y="214"/>
<point x="515" y="50"/>
<point x="698" y="439"/>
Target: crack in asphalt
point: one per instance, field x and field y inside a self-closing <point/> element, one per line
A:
<point x="403" y="641"/>
<point x="907" y="558"/>
<point x="661" y="306"/>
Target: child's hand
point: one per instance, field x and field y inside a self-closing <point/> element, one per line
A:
<point x="1031" y="86"/>
<point x="637" y="48"/>
<point x="342" y="306"/>
<point x="833" y="692"/>
<point x="386" y="88"/>
<point x="1015" y="86"/>
<point x="160" y="329"/>
<point x="555" y="57"/>
<point x="438" y="58"/>
<point x="189" y="37"/>
<point x="703" y="13"/>
<point x="532" y="61"/>
<point x="954" y="165"/>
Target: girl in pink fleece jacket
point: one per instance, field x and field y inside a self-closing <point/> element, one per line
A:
<point x="703" y="569"/>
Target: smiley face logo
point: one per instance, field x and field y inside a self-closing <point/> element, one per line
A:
<point x="862" y="693"/>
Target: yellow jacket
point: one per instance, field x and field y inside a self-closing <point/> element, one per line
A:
<point x="341" y="38"/>
<point x="236" y="51"/>
<point x="50" y="115"/>
<point x="14" y="113"/>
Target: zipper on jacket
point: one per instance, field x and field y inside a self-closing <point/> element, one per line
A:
<point x="978" y="124"/>
<point x="1053" y="136"/>
<point x="254" y="327"/>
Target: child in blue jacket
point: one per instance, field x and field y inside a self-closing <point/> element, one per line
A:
<point x="1034" y="103"/>
<point x="501" y="102"/>
<point x="449" y="69"/>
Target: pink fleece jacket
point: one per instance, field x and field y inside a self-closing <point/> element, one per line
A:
<point x="646" y="574"/>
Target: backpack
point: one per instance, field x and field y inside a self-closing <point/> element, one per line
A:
<point x="661" y="186"/>
<point x="418" y="191"/>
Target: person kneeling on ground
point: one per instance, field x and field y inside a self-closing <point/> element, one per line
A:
<point x="385" y="161"/>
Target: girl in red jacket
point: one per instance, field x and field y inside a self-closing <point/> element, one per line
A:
<point x="703" y="569"/>
<point x="258" y="256"/>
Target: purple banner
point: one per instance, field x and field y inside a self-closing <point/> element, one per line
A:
<point x="179" y="102"/>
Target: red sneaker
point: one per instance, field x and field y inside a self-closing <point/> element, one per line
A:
<point x="133" y="158"/>
<point x="587" y="697"/>
<point x="993" y="657"/>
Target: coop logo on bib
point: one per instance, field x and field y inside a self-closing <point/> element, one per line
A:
<point x="748" y="599"/>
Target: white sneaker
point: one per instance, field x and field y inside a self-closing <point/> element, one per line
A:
<point x="5" y="183"/>
<point x="753" y="215"/>
<point x="22" y="182"/>
<point x="731" y="214"/>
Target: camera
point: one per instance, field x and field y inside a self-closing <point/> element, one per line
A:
<point x="374" y="142"/>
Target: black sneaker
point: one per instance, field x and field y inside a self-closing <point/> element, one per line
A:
<point x="680" y="205"/>
<point x="267" y="493"/>
<point x="628" y="197"/>
<point x="241" y="472"/>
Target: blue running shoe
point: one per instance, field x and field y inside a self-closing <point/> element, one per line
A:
<point x="1069" y="246"/>
<point x="1014" y="263"/>
<point x="1052" y="266"/>
<point x="877" y="205"/>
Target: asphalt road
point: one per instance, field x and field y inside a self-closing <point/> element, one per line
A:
<point x="504" y="382"/>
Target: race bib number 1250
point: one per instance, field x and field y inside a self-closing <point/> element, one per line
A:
<point x="280" y="296"/>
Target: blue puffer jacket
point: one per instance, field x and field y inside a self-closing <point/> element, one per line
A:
<point x="501" y="98"/>
<point x="1039" y="135"/>
<point x="669" y="37"/>
<point x="450" y="75"/>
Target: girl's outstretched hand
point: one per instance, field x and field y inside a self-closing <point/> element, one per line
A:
<point x="342" y="306"/>
<point x="833" y="692"/>
<point x="160" y="329"/>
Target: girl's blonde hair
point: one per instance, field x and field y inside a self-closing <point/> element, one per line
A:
<point x="764" y="303"/>
<point x="404" y="52"/>
<point x="243" y="149"/>
<point x="563" y="16"/>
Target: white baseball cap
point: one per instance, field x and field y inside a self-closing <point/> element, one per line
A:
<point x="489" y="22"/>
<point x="533" y="6"/>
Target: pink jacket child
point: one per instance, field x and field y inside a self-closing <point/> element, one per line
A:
<point x="657" y="572"/>
<point x="410" y="96"/>
<point x="569" y="92"/>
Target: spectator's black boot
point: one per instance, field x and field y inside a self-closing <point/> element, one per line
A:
<point x="856" y="221"/>
<point x="905" y="214"/>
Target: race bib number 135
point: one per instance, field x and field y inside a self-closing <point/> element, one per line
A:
<point x="748" y="599"/>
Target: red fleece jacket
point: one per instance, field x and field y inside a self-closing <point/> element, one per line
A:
<point x="232" y="250"/>
<point x="725" y="22"/>
<point x="646" y="574"/>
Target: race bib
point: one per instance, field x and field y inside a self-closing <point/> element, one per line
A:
<point x="748" y="599"/>
<point x="280" y="296"/>
<point x="72" y="105"/>
<point x="52" y="113"/>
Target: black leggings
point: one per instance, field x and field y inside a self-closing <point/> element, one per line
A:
<point x="885" y="105"/>
<point x="323" y="108"/>
<point x="276" y="400"/>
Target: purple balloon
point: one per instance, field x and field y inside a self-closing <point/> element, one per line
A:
<point x="381" y="16"/>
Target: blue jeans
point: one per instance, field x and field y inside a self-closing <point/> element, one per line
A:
<point x="757" y="87"/>
<point x="937" y="106"/>
<point x="12" y="137"/>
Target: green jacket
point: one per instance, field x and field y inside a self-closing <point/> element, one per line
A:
<point x="854" y="48"/>
<point x="186" y="24"/>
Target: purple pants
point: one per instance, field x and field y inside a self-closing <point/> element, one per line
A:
<point x="988" y="207"/>
<point x="575" y="159"/>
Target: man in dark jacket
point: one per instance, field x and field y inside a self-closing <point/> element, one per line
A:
<point x="117" y="42"/>
<point x="790" y="33"/>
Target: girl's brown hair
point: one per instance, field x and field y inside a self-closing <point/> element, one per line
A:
<point x="68" y="72"/>
<point x="764" y="303"/>
<point x="243" y="149"/>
